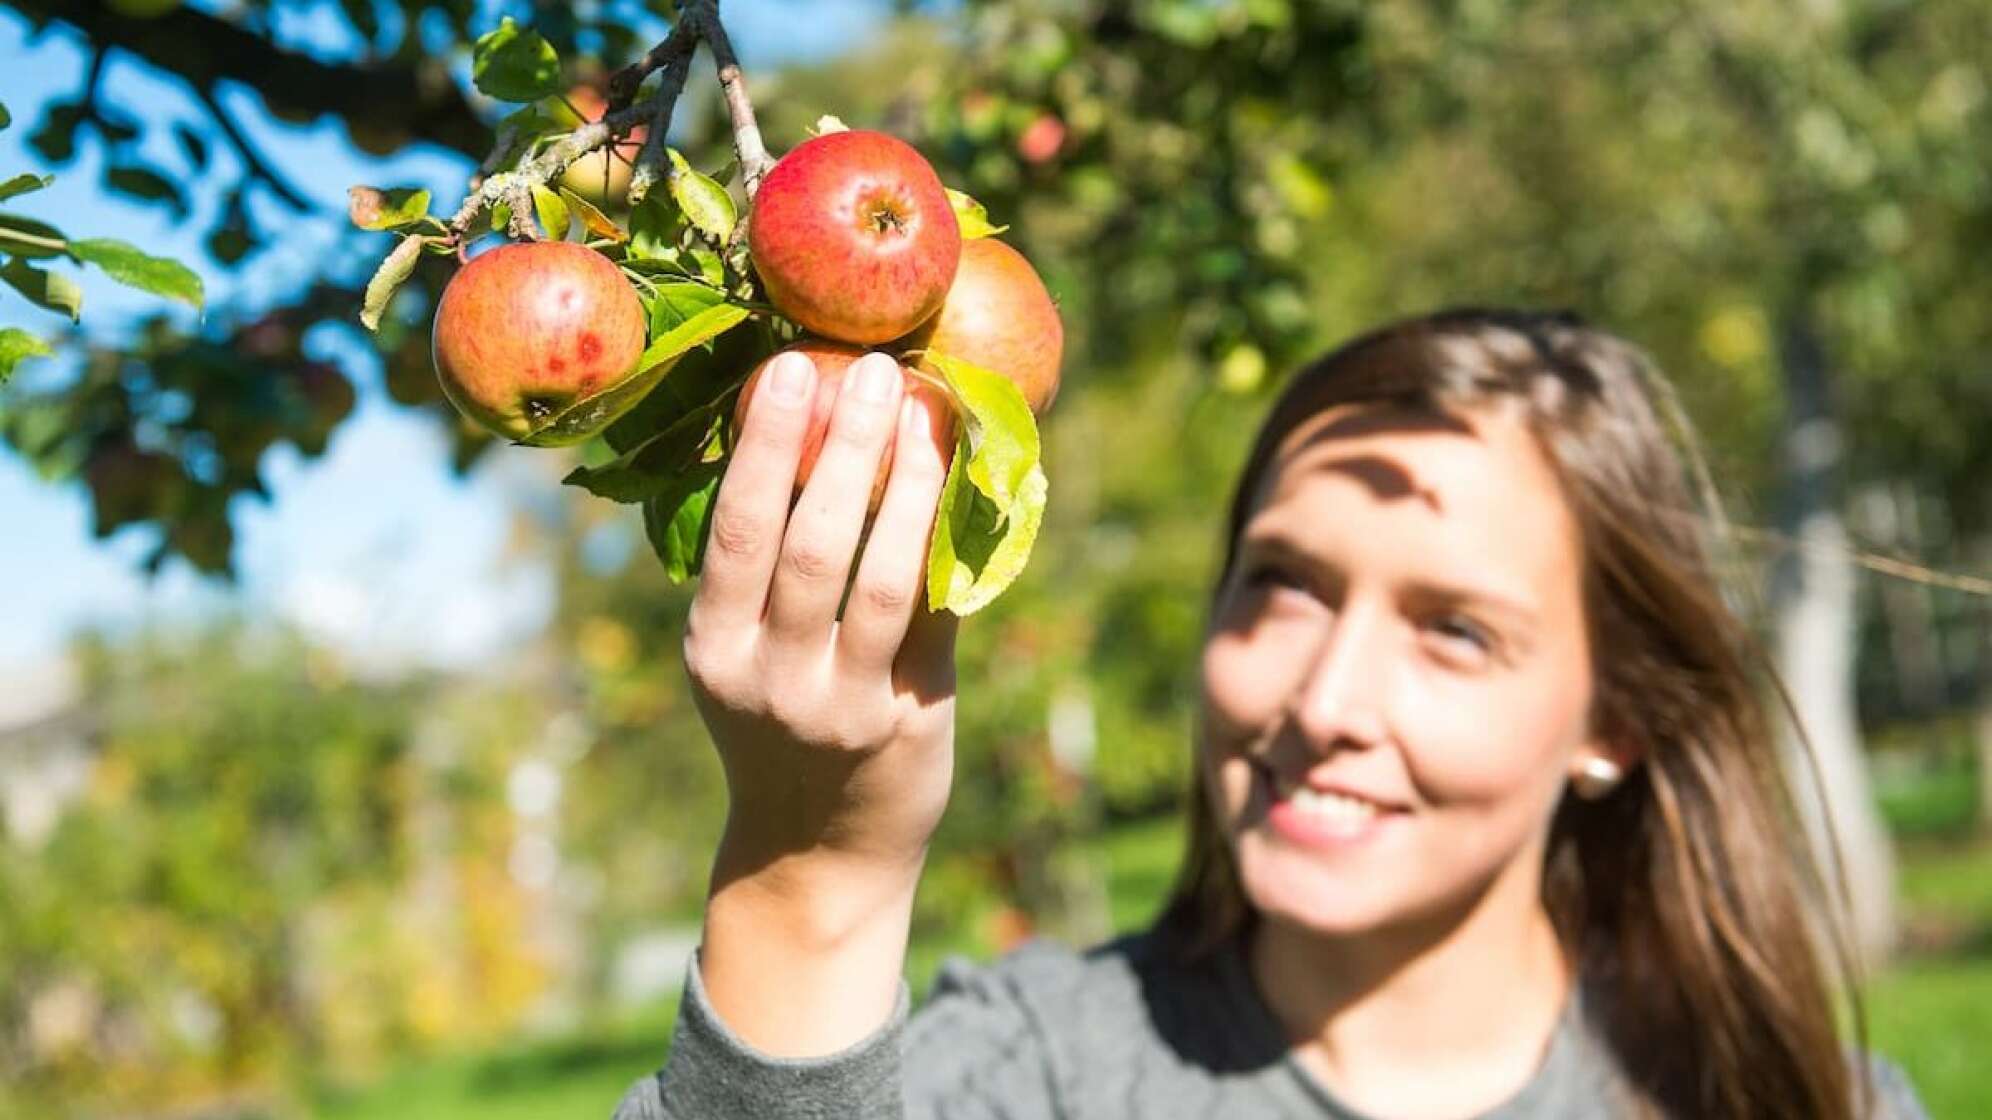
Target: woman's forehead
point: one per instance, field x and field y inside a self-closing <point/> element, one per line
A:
<point x="1450" y="482"/>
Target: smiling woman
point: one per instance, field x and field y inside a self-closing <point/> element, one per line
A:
<point x="1488" y="819"/>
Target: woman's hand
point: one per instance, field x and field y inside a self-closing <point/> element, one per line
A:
<point x="836" y="736"/>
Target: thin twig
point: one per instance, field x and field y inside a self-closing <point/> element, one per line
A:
<point x="653" y="160"/>
<point x="251" y="158"/>
<point x="683" y="40"/>
<point x="747" y="143"/>
<point x="1873" y="561"/>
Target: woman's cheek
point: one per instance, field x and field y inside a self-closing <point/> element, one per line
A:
<point x="1245" y="686"/>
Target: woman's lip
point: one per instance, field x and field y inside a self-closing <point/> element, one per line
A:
<point x="1311" y="830"/>
<point x="1273" y="785"/>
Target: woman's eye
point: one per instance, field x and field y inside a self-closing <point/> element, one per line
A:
<point x="1270" y="575"/>
<point x="1462" y="632"/>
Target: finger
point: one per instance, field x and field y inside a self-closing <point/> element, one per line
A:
<point x="753" y="503"/>
<point x="824" y="526"/>
<point x="889" y="587"/>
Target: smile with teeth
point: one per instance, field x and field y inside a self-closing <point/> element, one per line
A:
<point x="1316" y="817"/>
<point x="1332" y="808"/>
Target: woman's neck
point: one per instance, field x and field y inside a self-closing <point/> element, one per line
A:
<point x="1441" y="1018"/>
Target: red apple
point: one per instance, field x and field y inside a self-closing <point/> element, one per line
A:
<point x="527" y="329"/>
<point x="1041" y="139"/>
<point x="599" y="177"/>
<point x="999" y="316"/>
<point x="833" y="360"/>
<point x="854" y="238"/>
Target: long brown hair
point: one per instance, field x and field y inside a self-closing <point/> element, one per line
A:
<point x="1686" y="895"/>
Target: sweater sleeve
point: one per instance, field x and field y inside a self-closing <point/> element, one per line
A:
<point x="970" y="1053"/>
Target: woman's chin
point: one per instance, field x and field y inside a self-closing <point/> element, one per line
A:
<point x="1298" y="892"/>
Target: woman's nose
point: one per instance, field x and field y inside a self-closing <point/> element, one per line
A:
<point x="1339" y="700"/>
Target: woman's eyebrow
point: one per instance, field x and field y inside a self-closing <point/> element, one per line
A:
<point x="1275" y="539"/>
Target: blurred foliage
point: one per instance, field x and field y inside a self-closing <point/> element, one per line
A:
<point x="270" y="864"/>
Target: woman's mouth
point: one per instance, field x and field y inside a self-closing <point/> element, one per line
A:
<point x="1332" y="819"/>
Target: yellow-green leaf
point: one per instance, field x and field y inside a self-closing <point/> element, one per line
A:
<point x="387" y="278"/>
<point x="979" y="550"/>
<point x="376" y="209"/>
<point x="16" y="345"/>
<point x="50" y="290"/>
<point x="972" y="216"/>
<point x="1002" y="433"/>
<point x="695" y="331"/>
<point x="705" y="203"/>
<point x="24" y="184"/>
<point x="552" y="213"/>
<point x="592" y="219"/>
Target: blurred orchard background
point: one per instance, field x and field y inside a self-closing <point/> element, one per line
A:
<point x="346" y="764"/>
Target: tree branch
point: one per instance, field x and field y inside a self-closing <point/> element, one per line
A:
<point x="259" y="169"/>
<point x="747" y="143"/>
<point x="409" y="102"/>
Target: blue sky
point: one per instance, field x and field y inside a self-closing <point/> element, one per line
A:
<point x="375" y="547"/>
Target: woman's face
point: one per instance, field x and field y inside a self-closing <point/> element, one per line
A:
<point x="1397" y="679"/>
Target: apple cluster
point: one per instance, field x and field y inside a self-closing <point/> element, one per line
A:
<point x="854" y="239"/>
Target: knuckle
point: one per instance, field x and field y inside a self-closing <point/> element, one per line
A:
<point x="735" y="533"/>
<point x="885" y="596"/>
<point x="810" y="560"/>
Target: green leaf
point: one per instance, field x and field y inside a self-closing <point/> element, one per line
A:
<point x="678" y="522"/>
<point x="655" y="466"/>
<point x="501" y="216"/>
<point x="588" y="418"/>
<point x="585" y="419"/>
<point x="705" y="202"/>
<point x="50" y="290"/>
<point x="701" y="328"/>
<point x="552" y="213"/>
<point x="128" y="266"/>
<point x="6" y="118"/>
<point x="373" y="208"/>
<point x="146" y="184"/>
<point x="979" y="549"/>
<point x="711" y="268"/>
<point x="654" y="226"/>
<point x="514" y="63"/>
<point x="699" y="379"/>
<point x="398" y="266"/>
<point x="1002" y="434"/>
<point x="56" y="138"/>
<point x="676" y="302"/>
<point x="972" y="216"/>
<point x="29" y="239"/>
<point x="15" y="345"/>
<point x="193" y="144"/>
<point x="24" y="184"/>
<point x="592" y="218"/>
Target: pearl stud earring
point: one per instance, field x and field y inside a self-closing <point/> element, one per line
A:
<point x="1596" y="777"/>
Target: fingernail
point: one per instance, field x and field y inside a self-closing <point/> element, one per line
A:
<point x="876" y="375"/>
<point x="789" y="380"/>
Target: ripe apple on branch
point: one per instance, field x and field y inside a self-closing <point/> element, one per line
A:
<point x="625" y="334"/>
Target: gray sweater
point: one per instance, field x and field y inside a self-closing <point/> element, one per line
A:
<point x="1120" y="1032"/>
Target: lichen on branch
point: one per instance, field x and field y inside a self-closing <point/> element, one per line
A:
<point x="698" y="21"/>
